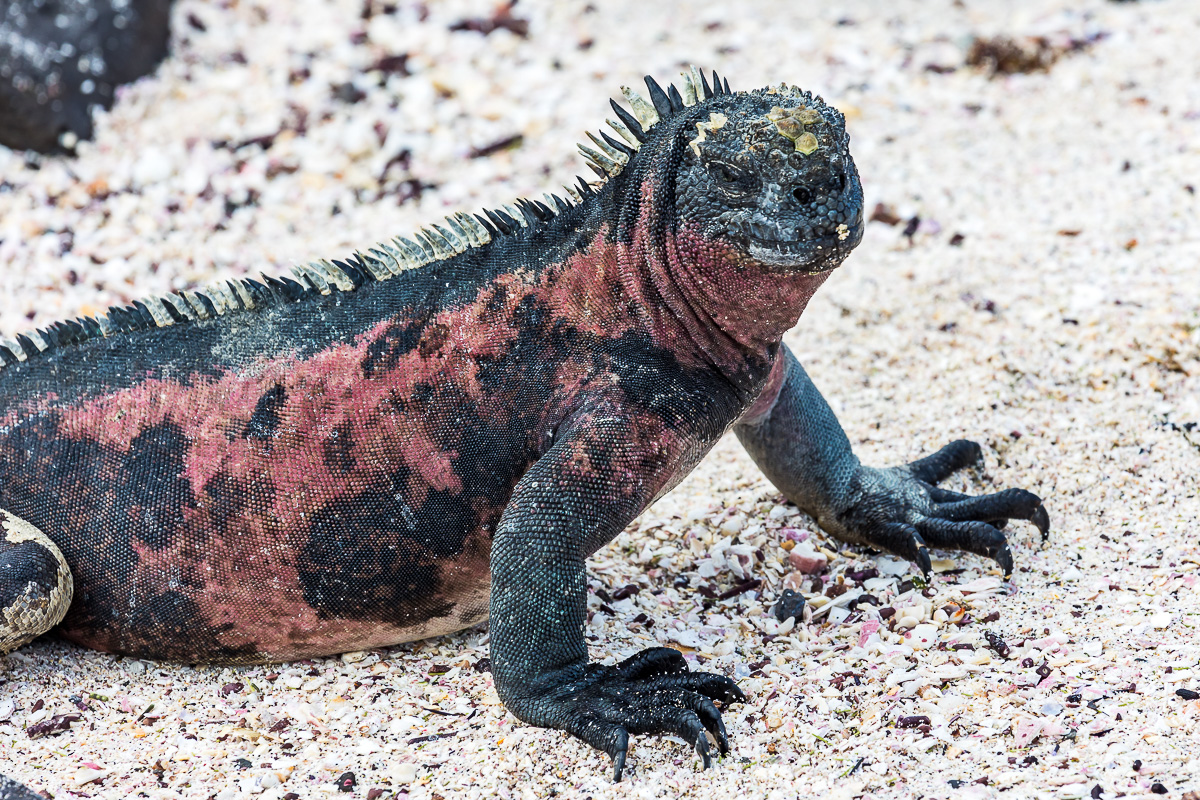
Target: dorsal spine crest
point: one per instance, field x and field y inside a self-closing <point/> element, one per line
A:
<point x="459" y="233"/>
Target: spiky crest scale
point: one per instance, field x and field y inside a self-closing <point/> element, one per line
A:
<point x="662" y="104"/>
<point x="387" y="259"/>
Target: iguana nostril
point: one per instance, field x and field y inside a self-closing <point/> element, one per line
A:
<point x="802" y="194"/>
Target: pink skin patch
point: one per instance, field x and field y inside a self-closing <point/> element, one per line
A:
<point x="769" y="394"/>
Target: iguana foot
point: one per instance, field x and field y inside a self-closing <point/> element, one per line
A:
<point x="903" y="511"/>
<point x="650" y="692"/>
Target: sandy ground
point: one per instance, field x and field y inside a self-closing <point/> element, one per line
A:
<point x="1046" y="303"/>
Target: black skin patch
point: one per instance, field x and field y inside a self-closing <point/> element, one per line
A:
<point x="175" y="629"/>
<point x="422" y="393"/>
<point x="338" y="451"/>
<point x="96" y="504"/>
<point x="673" y="393"/>
<point x="229" y="501"/>
<point x="152" y="483"/>
<point x="490" y="484"/>
<point x="434" y="337"/>
<point x="385" y="353"/>
<point x="265" y="420"/>
<point x="46" y="492"/>
<point x="374" y="557"/>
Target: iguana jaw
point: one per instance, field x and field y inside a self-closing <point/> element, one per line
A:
<point x="806" y="256"/>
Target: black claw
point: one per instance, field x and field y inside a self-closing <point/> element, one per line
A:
<point x="923" y="560"/>
<point x="1005" y="560"/>
<point x="702" y="749"/>
<point x="711" y="718"/>
<point x="905" y="541"/>
<point x="618" y="765"/>
<point x="1042" y="520"/>
<point x="620" y="746"/>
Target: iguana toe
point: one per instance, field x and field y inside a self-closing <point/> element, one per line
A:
<point x="973" y="536"/>
<point x="904" y="540"/>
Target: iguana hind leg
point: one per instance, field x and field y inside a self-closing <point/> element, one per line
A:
<point x="35" y="583"/>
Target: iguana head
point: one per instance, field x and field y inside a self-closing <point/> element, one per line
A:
<point x="767" y="172"/>
<point x="771" y="172"/>
<point x="728" y="209"/>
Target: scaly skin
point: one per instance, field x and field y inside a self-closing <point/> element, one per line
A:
<point x="352" y="469"/>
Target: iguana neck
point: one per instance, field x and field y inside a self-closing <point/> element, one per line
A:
<point x="705" y="298"/>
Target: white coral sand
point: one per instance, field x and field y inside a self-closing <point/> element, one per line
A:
<point x="1047" y="305"/>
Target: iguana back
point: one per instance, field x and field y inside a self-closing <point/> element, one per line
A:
<point x="319" y="472"/>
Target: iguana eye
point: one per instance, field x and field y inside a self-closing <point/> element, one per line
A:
<point x="732" y="179"/>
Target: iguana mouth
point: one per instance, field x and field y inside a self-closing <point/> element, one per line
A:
<point x="820" y="254"/>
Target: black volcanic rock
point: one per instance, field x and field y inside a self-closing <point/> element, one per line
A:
<point x="59" y="58"/>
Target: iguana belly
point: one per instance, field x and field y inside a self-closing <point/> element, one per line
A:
<point x="193" y="545"/>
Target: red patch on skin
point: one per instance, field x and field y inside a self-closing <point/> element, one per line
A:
<point x="752" y="303"/>
<point x="589" y="290"/>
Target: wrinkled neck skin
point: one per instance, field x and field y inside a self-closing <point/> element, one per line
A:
<point x="708" y="302"/>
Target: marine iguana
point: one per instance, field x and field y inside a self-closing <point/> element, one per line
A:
<point x="441" y="430"/>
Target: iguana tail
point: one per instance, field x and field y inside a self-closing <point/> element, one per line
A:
<point x="35" y="591"/>
<point x="36" y="586"/>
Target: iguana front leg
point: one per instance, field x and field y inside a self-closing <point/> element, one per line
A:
<point x="593" y="481"/>
<point x="796" y="440"/>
